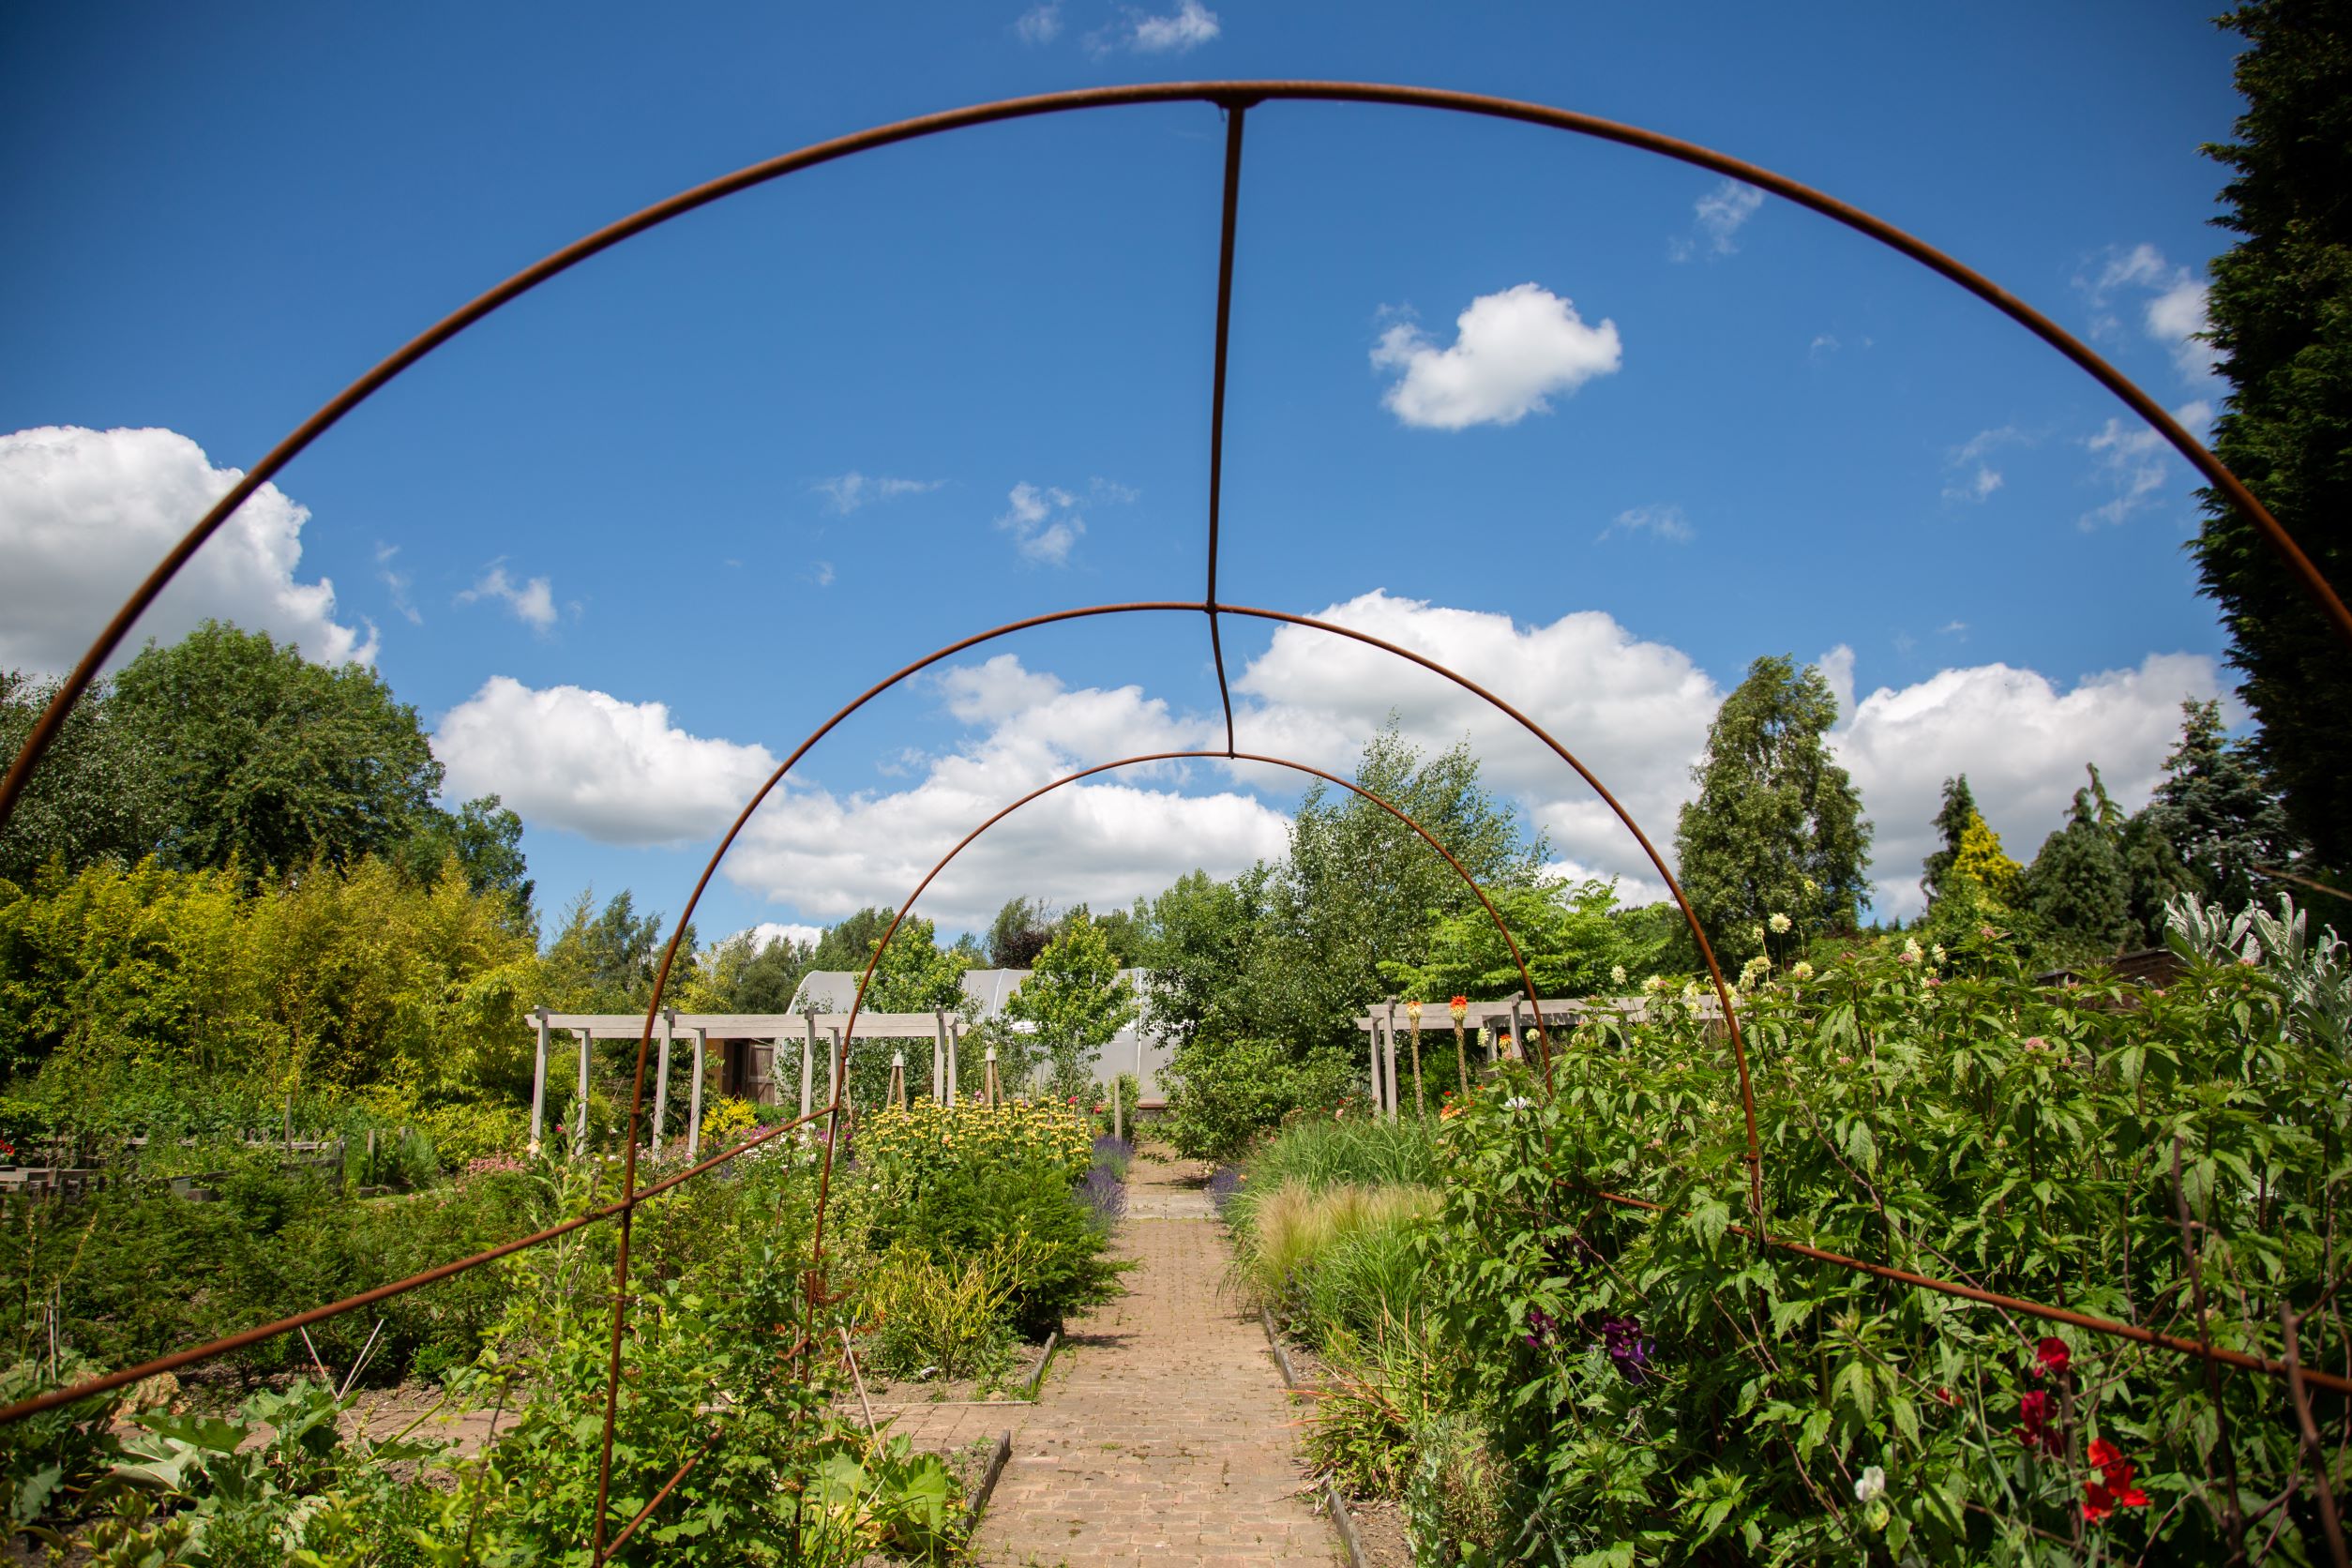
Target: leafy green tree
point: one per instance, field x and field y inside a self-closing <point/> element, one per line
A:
<point x="1360" y="885"/>
<point x="1018" y="933"/>
<point x="602" y="961"/>
<point x="1196" y="939"/>
<point x="96" y="794"/>
<point x="485" y="838"/>
<point x="269" y="761"/>
<point x="2281" y="306"/>
<point x="1777" y="826"/>
<point x="1566" y="933"/>
<point x="1075" y="1002"/>
<point x="2216" y="810"/>
<point x="849" y="944"/>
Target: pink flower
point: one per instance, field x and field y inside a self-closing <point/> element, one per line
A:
<point x="2051" y="1355"/>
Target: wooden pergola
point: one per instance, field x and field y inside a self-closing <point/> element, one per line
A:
<point x="944" y="1028"/>
<point x="1508" y="1016"/>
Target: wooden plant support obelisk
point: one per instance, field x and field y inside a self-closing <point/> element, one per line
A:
<point x="1421" y="1101"/>
<point x="992" y="1085"/>
<point x="898" y="1078"/>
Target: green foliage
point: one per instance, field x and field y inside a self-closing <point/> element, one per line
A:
<point x="1321" y="1152"/>
<point x="1776" y="826"/>
<point x="1951" y="823"/>
<point x="2078" y="890"/>
<point x="1568" y="935"/>
<point x="1649" y="1377"/>
<point x="1020" y="1215"/>
<point x="94" y="795"/>
<point x="269" y="761"/>
<point x="1224" y="1093"/>
<point x="2281" y="306"/>
<point x="2215" y="808"/>
<point x="932" y="1319"/>
<point x="1075" y="1002"/>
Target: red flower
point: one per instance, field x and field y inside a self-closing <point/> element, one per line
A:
<point x="1945" y="1397"/>
<point x="2052" y="1356"/>
<point x="2033" y="1410"/>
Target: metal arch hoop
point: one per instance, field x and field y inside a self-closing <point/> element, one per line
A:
<point x="1236" y="97"/>
<point x="865" y="979"/>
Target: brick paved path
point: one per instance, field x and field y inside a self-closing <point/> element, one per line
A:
<point x="1168" y="1438"/>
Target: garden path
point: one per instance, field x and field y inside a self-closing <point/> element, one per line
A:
<point x="1168" y="1438"/>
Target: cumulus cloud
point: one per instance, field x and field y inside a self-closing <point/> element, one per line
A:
<point x="2023" y="742"/>
<point x="1182" y="30"/>
<point x="86" y="514"/>
<point x="1664" y="522"/>
<point x="586" y="762"/>
<point x="532" y="603"/>
<point x="846" y="492"/>
<point x="1040" y="24"/>
<point x="2174" y="311"/>
<point x="1717" y="217"/>
<point x="1636" y="712"/>
<point x="396" y="583"/>
<point x="1968" y="474"/>
<point x="1512" y="352"/>
<point x="1046" y="520"/>
<point x="767" y="933"/>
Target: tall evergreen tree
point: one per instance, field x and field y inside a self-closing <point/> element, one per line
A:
<point x="2282" y="313"/>
<point x="2077" y="887"/>
<point x="1959" y="809"/>
<point x="1777" y="826"/>
<point x="2217" y="812"/>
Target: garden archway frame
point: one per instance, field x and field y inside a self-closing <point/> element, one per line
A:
<point x="1235" y="99"/>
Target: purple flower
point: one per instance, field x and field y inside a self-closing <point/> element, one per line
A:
<point x="1103" y="1194"/>
<point x="1223" y="1184"/>
<point x="1542" y="1327"/>
<point x="1622" y="1338"/>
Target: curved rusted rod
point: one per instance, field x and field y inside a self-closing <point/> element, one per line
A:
<point x="2016" y="1304"/>
<point x="1230" y="94"/>
<point x="108" y="1382"/>
<point x="840" y="1061"/>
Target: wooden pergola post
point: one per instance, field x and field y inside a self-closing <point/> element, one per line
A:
<point x="1516" y="1027"/>
<point x="834" y="1064"/>
<point x="1394" y="1095"/>
<point x="538" y="1084"/>
<point x="809" y="1066"/>
<point x="1380" y="1100"/>
<point x="661" y="1077"/>
<point x="579" y="1111"/>
<point x="939" y="1057"/>
<point x="1412" y="1020"/>
<point x="694" y="1097"/>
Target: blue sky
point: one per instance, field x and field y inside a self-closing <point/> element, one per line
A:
<point x="1596" y="425"/>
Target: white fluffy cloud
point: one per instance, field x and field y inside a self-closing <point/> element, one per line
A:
<point x="1512" y="352"/>
<point x="586" y="762"/>
<point x="2022" y="742"/>
<point x="1046" y="521"/>
<point x="86" y="514"/>
<point x="1636" y="712"/>
<point x="2174" y="311"/>
<point x="767" y="933"/>
<point x="1716" y="219"/>
<point x="846" y="492"/>
<point x="532" y="603"/>
<point x="1662" y="522"/>
<point x="1970" y="474"/>
<point x="1182" y="30"/>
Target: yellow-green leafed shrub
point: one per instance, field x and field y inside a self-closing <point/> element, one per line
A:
<point x="727" y="1119"/>
<point x="908" y="1147"/>
<point x="943" y="1318"/>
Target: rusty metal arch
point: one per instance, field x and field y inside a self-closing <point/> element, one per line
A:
<point x="898" y="918"/>
<point x="1235" y="99"/>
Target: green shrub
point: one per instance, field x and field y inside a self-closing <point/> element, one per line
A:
<point x="1288" y="1236"/>
<point x="1325" y="1150"/>
<point x="1023" y="1214"/>
<point x="932" y="1318"/>
<point x="1224" y="1095"/>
